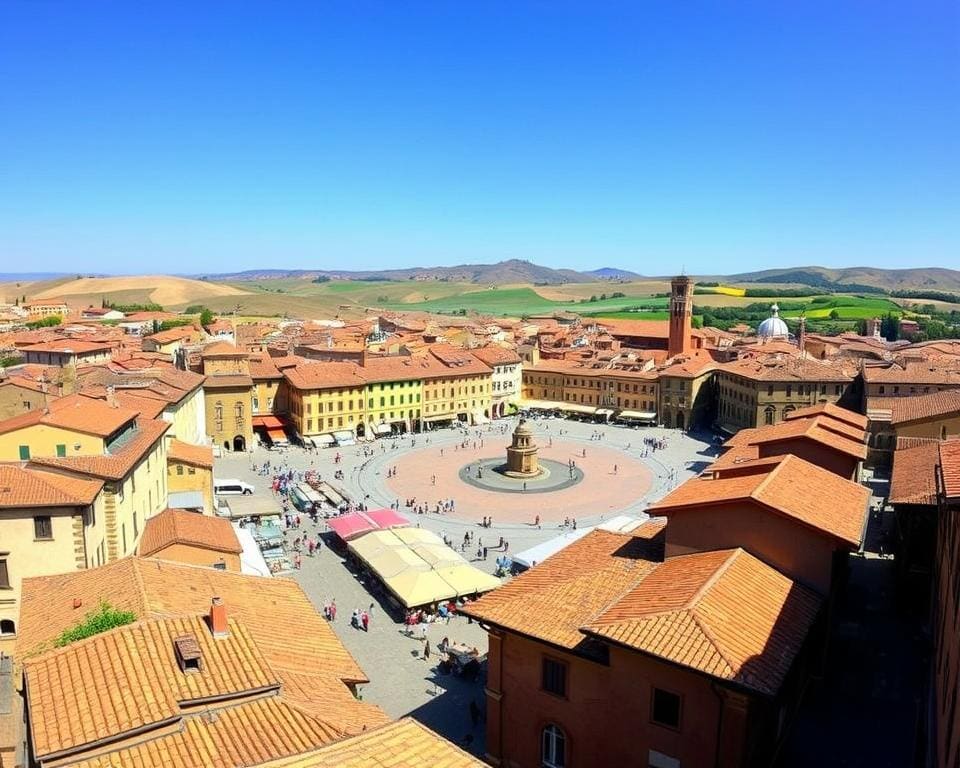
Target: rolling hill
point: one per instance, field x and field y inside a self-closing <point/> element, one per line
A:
<point x="919" y="278"/>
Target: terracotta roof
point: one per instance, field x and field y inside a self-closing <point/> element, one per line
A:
<point x="777" y="367"/>
<point x="75" y="413"/>
<point x="222" y="349"/>
<point x="911" y="373"/>
<point x="791" y="487"/>
<point x="187" y="453"/>
<point x="157" y="588"/>
<point x="726" y="614"/>
<point x="263" y="367"/>
<point x="913" y="479"/>
<point x="950" y="468"/>
<point x="71" y="346"/>
<point x="178" y="526"/>
<point x="817" y="430"/>
<point x="401" y="744"/>
<point x="653" y="329"/>
<point x="904" y="410"/>
<point x="148" y="407"/>
<point x="115" y="465"/>
<point x="314" y="375"/>
<point x="833" y="411"/>
<point x="24" y="487"/>
<point x="129" y="678"/>
<point x="173" y="334"/>
<point x="552" y="601"/>
<point x="496" y="355"/>
<point x="244" y="735"/>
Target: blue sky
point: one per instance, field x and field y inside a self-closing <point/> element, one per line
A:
<point x="715" y="136"/>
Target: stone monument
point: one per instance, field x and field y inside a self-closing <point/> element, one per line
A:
<point x="522" y="459"/>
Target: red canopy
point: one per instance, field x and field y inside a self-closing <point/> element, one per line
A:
<point x="351" y="525"/>
<point x="355" y="524"/>
<point x="267" y="422"/>
<point x="387" y="518"/>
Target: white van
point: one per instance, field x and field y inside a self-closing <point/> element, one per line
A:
<point x="232" y="488"/>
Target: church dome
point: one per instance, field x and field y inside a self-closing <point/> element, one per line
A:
<point x="773" y="326"/>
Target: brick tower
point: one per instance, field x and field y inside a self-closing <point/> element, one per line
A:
<point x="681" y="315"/>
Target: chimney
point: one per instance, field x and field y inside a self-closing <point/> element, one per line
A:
<point x="111" y="396"/>
<point x="218" y="618"/>
<point x="802" y="334"/>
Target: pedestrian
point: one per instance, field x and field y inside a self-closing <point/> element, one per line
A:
<point x="296" y="561"/>
<point x="365" y="621"/>
<point x="426" y="650"/>
<point x="333" y="609"/>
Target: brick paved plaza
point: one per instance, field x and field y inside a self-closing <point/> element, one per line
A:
<point x="401" y="682"/>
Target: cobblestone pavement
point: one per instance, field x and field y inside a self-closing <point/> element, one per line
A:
<point x="400" y="681"/>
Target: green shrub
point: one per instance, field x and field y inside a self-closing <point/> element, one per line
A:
<point x="100" y="620"/>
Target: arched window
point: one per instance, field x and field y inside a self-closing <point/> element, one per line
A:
<point x="7" y="628"/>
<point x="553" y="750"/>
<point x="943" y="433"/>
<point x="768" y="414"/>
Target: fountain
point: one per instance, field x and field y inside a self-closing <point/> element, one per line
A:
<point x="522" y="462"/>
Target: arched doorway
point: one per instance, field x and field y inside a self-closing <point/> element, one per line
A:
<point x="361" y="429"/>
<point x="226" y="445"/>
<point x="502" y="409"/>
<point x="239" y="443"/>
<point x="680" y="420"/>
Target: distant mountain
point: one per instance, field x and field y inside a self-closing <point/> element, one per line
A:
<point x="612" y="273"/>
<point x="501" y="273"/>
<point x="920" y="278"/>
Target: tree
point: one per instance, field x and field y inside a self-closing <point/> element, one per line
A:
<point x="834" y="314"/>
<point x="889" y="326"/>
<point x="206" y="317"/>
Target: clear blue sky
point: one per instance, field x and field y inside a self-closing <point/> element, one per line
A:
<point x="717" y="136"/>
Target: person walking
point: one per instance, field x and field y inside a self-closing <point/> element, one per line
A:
<point x="426" y="650"/>
<point x="365" y="621"/>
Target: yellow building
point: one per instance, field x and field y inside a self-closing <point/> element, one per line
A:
<point x="134" y="472"/>
<point x="325" y="398"/>
<point x="189" y="473"/>
<point x="393" y="393"/>
<point x="228" y="396"/>
<point x="71" y="426"/>
<point x="40" y="308"/>
<point x="457" y="387"/>
<point x="49" y="523"/>
<point x="686" y="391"/>
<point x="756" y="391"/>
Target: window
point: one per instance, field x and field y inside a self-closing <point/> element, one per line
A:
<point x="7" y="628"/>
<point x="553" y="748"/>
<point x="61" y="450"/>
<point x="4" y="573"/>
<point x="191" y="471"/>
<point x="42" y="527"/>
<point x="554" y="678"/>
<point x="24" y="453"/>
<point x="179" y="469"/>
<point x="665" y="708"/>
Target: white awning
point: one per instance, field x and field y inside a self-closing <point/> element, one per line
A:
<point x="604" y="412"/>
<point x="576" y="408"/>
<point x="382" y="429"/>
<point x="322" y="440"/>
<point x="638" y="415"/>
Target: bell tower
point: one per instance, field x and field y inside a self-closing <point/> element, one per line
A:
<point x="681" y="315"/>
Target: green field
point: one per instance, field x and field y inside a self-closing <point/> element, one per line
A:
<point x="846" y="307"/>
<point x="525" y="301"/>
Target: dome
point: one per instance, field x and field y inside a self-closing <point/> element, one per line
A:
<point x="773" y="326"/>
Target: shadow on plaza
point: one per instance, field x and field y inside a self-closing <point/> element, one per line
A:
<point x="448" y="711"/>
<point x="865" y="710"/>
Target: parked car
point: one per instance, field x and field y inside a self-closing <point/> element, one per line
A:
<point x="232" y="487"/>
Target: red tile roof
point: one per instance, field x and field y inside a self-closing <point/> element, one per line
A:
<point x="187" y="453"/>
<point x="25" y="487"/>
<point x="950" y="469"/>
<point x="792" y="487"/>
<point x="115" y="465"/>
<point x="913" y="479"/>
<point x="832" y="410"/>
<point x="726" y="614"/>
<point x="816" y="429"/>
<point x="904" y="410"/>
<point x="177" y="526"/>
<point x="553" y="600"/>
